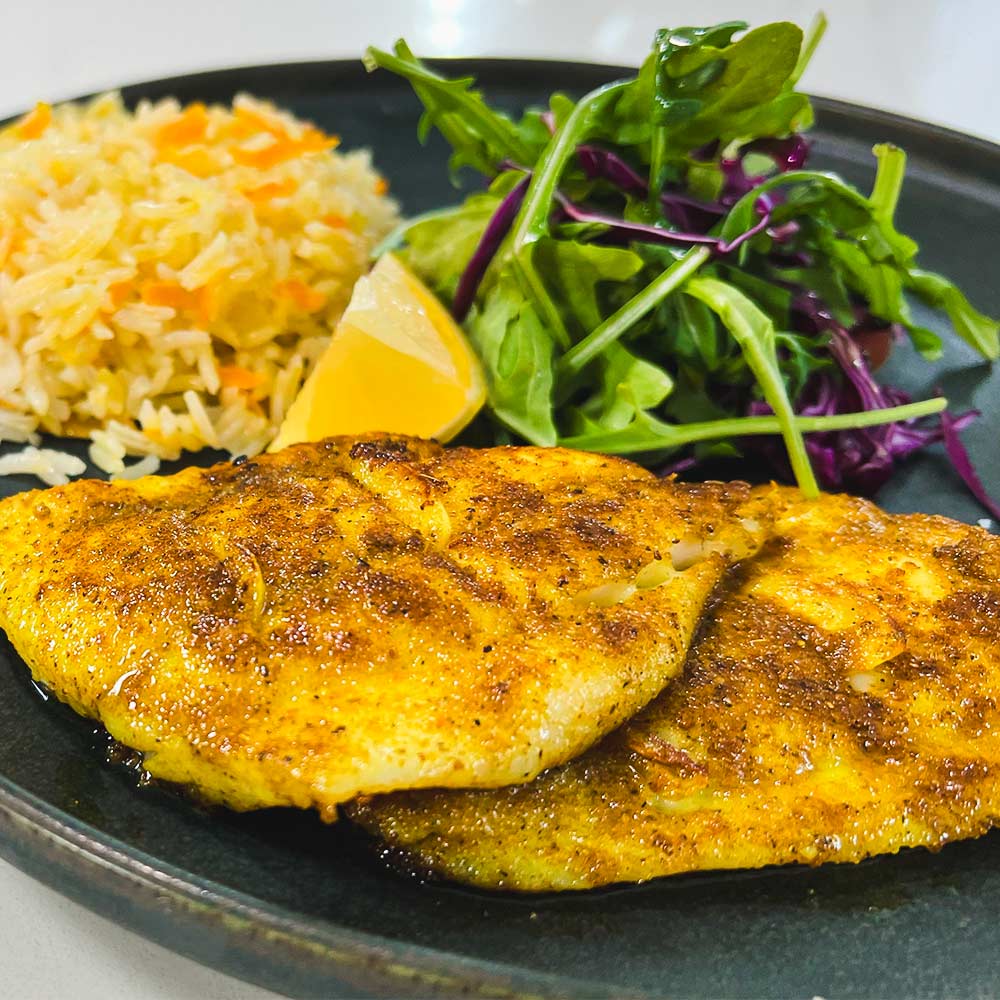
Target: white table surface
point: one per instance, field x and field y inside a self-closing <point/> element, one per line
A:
<point x="927" y="59"/>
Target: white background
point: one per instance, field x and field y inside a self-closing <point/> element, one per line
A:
<point x="932" y="60"/>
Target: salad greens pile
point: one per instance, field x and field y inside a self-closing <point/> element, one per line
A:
<point x="653" y="271"/>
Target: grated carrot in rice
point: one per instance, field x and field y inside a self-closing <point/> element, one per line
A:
<point x="305" y="298"/>
<point x="188" y="127"/>
<point x="34" y="124"/>
<point x="335" y="221"/>
<point x="240" y="378"/>
<point x="273" y="189"/>
<point x="169" y="276"/>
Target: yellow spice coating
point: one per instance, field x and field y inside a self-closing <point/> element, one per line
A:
<point x="361" y="616"/>
<point x="839" y="702"/>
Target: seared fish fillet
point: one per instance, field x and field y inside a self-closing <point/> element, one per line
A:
<point x="353" y="617"/>
<point x="841" y="701"/>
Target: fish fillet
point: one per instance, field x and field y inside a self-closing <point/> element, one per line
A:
<point x="362" y="616"/>
<point x="840" y="702"/>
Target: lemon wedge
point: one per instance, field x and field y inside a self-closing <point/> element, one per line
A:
<point x="397" y="362"/>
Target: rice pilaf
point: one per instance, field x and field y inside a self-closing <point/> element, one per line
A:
<point x="169" y="276"/>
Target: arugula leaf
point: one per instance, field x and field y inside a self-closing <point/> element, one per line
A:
<point x="757" y="338"/>
<point x="533" y="219"/>
<point x="972" y="326"/>
<point x="826" y="187"/>
<point x="480" y="137"/>
<point x="698" y="86"/>
<point x="891" y="166"/>
<point x="693" y="401"/>
<point x="745" y="93"/>
<point x="774" y="299"/>
<point x="827" y="283"/>
<point x="628" y="385"/>
<point x="673" y="98"/>
<point x="695" y="339"/>
<point x="888" y="181"/>
<point x="745" y="80"/>
<point x="438" y="247"/>
<point x="882" y="285"/>
<point x="575" y="273"/>
<point x="614" y="327"/>
<point x="875" y="259"/>
<point x="978" y="330"/>
<point x="516" y="349"/>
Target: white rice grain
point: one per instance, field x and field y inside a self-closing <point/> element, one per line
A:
<point x="200" y="419"/>
<point x="147" y="466"/>
<point x="53" y="468"/>
<point x="135" y="270"/>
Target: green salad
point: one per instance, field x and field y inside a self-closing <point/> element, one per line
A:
<point x="653" y="269"/>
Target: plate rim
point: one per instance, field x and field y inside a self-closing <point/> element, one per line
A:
<point x="43" y="841"/>
<point x="494" y="66"/>
<point x="49" y="844"/>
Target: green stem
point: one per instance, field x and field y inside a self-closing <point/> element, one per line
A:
<point x="469" y="105"/>
<point x="888" y="181"/>
<point x="532" y="221"/>
<point x="867" y="418"/>
<point x="773" y="388"/>
<point x="581" y="354"/>
<point x="657" y="159"/>
<point x="662" y="435"/>
<point x="755" y="334"/>
<point x="534" y="290"/>
<point x="741" y="215"/>
<point x="397" y="238"/>
<point x="814" y="35"/>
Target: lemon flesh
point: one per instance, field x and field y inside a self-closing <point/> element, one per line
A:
<point x="397" y="362"/>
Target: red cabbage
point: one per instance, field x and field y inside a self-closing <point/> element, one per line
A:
<point x="864" y="459"/>
<point x="788" y="154"/>
<point x="950" y="426"/>
<point x="493" y="235"/>
<point x="682" y="210"/>
<point x="603" y="164"/>
<point x="645" y="233"/>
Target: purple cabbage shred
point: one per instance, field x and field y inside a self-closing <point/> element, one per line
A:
<point x="682" y="210"/>
<point x="861" y="460"/>
<point x="676" y="468"/>
<point x="950" y="426"/>
<point x="602" y="164"/>
<point x="645" y="233"/>
<point x="864" y="459"/>
<point x="694" y="218"/>
<point x="788" y="154"/>
<point x="493" y="235"/>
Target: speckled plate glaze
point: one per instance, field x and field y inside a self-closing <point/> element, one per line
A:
<point x="278" y="899"/>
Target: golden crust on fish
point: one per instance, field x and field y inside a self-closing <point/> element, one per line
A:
<point x="840" y="701"/>
<point x="361" y="616"/>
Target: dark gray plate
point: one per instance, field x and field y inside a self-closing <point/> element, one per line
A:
<point x="279" y="899"/>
